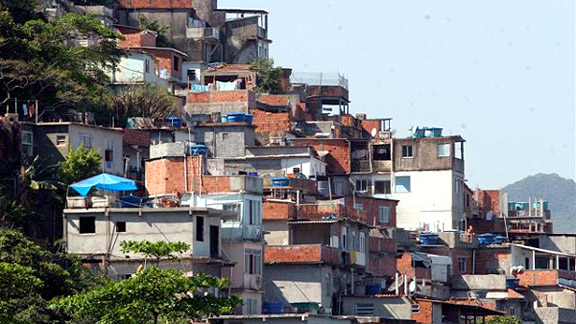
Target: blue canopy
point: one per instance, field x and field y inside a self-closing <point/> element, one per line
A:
<point x="105" y="181"/>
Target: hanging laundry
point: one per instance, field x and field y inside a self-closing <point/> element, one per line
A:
<point x="32" y="110"/>
<point x="200" y="87"/>
<point x="25" y="109"/>
<point x="226" y="86"/>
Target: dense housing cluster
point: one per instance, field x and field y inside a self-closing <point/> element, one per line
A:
<point x="315" y="214"/>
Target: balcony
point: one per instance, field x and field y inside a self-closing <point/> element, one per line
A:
<point x="330" y="211"/>
<point x="252" y="281"/>
<point x="207" y="33"/>
<point x="302" y="254"/>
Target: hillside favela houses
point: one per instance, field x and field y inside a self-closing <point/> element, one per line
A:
<point x="316" y="213"/>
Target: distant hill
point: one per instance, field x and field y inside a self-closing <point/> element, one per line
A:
<point x="560" y="192"/>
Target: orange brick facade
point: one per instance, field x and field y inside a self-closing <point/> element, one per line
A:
<point x="135" y="38"/>
<point x="338" y="158"/>
<point x="278" y="210"/>
<point x="371" y="207"/>
<point x="271" y="122"/>
<point x="168" y="60"/>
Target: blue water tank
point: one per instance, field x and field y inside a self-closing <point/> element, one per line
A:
<point x="281" y="181"/>
<point x="512" y="283"/>
<point x="428" y="238"/>
<point x="198" y="149"/>
<point x="373" y="289"/>
<point x="248" y="118"/>
<point x="485" y="239"/>
<point x="130" y="202"/>
<point x="273" y="307"/>
<point x="237" y="117"/>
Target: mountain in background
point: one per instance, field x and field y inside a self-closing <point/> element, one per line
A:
<point x="560" y="192"/>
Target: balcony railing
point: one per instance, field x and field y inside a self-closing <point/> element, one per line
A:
<point x="203" y="33"/>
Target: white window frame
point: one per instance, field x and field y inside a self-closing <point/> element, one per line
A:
<point x="462" y="264"/>
<point x="444" y="149"/>
<point x="362" y="247"/>
<point x="86" y="140"/>
<point x="254" y="267"/>
<point x="28" y="146"/>
<point x="384" y="214"/>
<point x="361" y="185"/>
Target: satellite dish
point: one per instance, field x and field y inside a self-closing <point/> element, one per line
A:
<point x="412" y="286"/>
<point x="374" y="132"/>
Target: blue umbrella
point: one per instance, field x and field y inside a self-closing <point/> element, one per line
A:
<point x="105" y="181"/>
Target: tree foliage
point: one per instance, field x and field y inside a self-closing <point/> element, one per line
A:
<point x="31" y="276"/>
<point x="43" y="60"/>
<point x="500" y="319"/>
<point x="161" y="31"/>
<point x="144" y="101"/>
<point x="153" y="295"/>
<point x="158" y="250"/>
<point x="267" y="76"/>
<point x="80" y="164"/>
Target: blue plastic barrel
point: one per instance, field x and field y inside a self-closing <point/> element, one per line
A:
<point x="273" y="307"/>
<point x="248" y="118"/>
<point x="281" y="181"/>
<point x="499" y="239"/>
<point x="198" y="149"/>
<point x="236" y="117"/>
<point x="223" y="119"/>
<point x="130" y="202"/>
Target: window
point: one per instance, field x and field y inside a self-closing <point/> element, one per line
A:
<point x="146" y="66"/>
<point x="384" y="214"/>
<point x="402" y="184"/>
<point x="87" y="225"/>
<point x="176" y="63"/>
<point x="364" y="309"/>
<point x="200" y="228"/>
<point x="27" y="143"/>
<point x="251" y="212"/>
<point x="344" y="238"/>
<point x="61" y="140"/>
<point x="225" y="136"/>
<point x="416" y="308"/>
<point x="109" y="153"/>
<point x="120" y="227"/>
<point x="191" y="75"/>
<point x="462" y="264"/>
<point x="362" y="247"/>
<point x="361" y="185"/>
<point x="253" y="261"/>
<point x="382" y="153"/>
<point x="295" y="170"/>
<point x="407" y="151"/>
<point x="459" y="150"/>
<point x="382" y="187"/>
<point x="230" y="207"/>
<point x="443" y="149"/>
<point x="359" y="206"/>
<point x="86" y="140"/>
<point x="251" y="306"/>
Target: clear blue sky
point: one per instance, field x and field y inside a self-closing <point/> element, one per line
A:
<point x="498" y="72"/>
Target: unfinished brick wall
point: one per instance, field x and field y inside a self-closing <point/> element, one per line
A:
<point x="338" y="159"/>
<point x="538" y="278"/>
<point x="166" y="176"/>
<point x="369" y="124"/>
<point x="222" y="96"/>
<point x="278" y="210"/>
<point x="371" y="206"/>
<point x="275" y="100"/>
<point x="136" y="37"/>
<point x="382" y="256"/>
<point x="425" y="315"/>
<point x="156" y="4"/>
<point x="271" y="122"/>
<point x="136" y="137"/>
<point x="492" y="260"/>
<point x="302" y="253"/>
<point x="454" y="254"/>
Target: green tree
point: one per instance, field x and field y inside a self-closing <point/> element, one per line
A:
<point x="161" y="31"/>
<point x="43" y="60"/>
<point x="500" y="319"/>
<point x="144" y="101"/>
<point x="80" y="164"/>
<point x="153" y="295"/>
<point x="267" y="76"/>
<point x="158" y="250"/>
<point x="31" y="276"/>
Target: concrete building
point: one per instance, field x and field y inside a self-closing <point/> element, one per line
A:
<point x="95" y="235"/>
<point x="429" y="181"/>
<point x="53" y="140"/>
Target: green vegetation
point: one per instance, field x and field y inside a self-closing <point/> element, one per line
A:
<point x="504" y="320"/>
<point x="43" y="60"/>
<point x="157" y="250"/>
<point x="153" y="295"/>
<point x="267" y="76"/>
<point x="30" y="277"/>
<point x="144" y="101"/>
<point x="80" y="164"/>
<point x="161" y="31"/>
